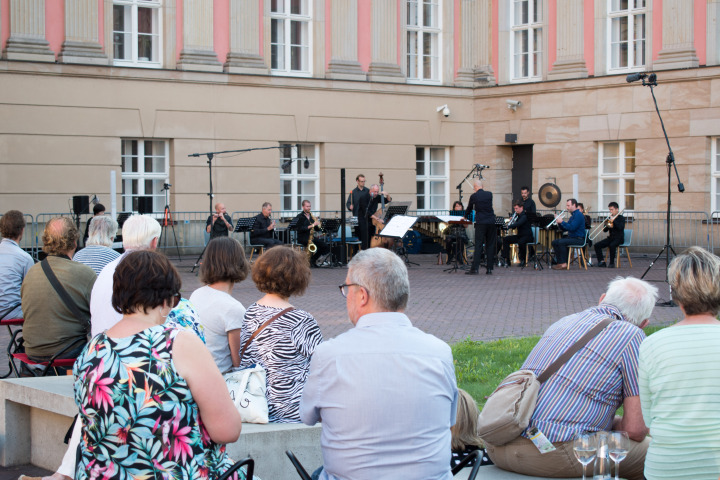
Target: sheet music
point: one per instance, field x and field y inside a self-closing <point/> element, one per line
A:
<point x="398" y="226"/>
<point x="449" y="218"/>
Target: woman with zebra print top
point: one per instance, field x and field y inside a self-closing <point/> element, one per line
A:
<point x="285" y="346"/>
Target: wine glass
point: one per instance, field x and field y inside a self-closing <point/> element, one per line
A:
<point x="585" y="448"/>
<point x="617" y="449"/>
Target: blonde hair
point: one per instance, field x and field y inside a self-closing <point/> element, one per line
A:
<point x="464" y="432"/>
<point x="694" y="278"/>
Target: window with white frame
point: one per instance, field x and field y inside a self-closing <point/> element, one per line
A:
<point x="290" y="36"/>
<point x="715" y="177"/>
<point x="526" y="39"/>
<point x="298" y="176"/>
<point x="423" y="40"/>
<point x="136" y="33"/>
<point x="626" y="34"/>
<point x="145" y="168"/>
<point x="616" y="179"/>
<point x="431" y="176"/>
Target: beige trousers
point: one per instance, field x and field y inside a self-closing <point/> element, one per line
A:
<point x="522" y="456"/>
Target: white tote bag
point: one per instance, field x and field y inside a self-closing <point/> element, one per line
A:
<point x="247" y="389"/>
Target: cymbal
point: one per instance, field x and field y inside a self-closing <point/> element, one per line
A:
<point x="549" y="195"/>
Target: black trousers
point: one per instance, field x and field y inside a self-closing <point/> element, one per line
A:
<point x="364" y="231"/>
<point x="522" y="244"/>
<point x="613" y="243"/>
<point x="485" y="234"/>
<point x="266" y="242"/>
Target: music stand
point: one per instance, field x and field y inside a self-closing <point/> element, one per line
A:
<point x="292" y="227"/>
<point x="244" y="225"/>
<point x="397" y="208"/>
<point x="122" y="216"/>
<point x="457" y="220"/>
<point x="396" y="229"/>
<point x="331" y="226"/>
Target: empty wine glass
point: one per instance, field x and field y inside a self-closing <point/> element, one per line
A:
<point x="585" y="448"/>
<point x="618" y="449"/>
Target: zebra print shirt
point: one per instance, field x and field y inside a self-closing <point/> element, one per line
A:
<point x="284" y="349"/>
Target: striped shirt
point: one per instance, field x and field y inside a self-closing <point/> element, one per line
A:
<point x="96" y="257"/>
<point x="680" y="396"/>
<point x="585" y="393"/>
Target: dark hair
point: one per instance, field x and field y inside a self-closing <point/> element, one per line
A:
<point x="358" y="177"/>
<point x="581" y="205"/>
<point x="614" y="205"/>
<point x="457" y="202"/>
<point x="572" y="201"/>
<point x="518" y="203"/>
<point x="142" y="281"/>
<point x="98" y="208"/>
<point x="282" y="271"/>
<point x="12" y="224"/>
<point x="224" y="260"/>
<point x="525" y="187"/>
<point x="59" y="238"/>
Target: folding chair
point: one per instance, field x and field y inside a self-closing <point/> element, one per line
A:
<point x="626" y="244"/>
<point x="579" y="252"/>
<point x="54" y="363"/>
<point x="477" y="456"/>
<point x="14" y="344"/>
<point x="248" y="474"/>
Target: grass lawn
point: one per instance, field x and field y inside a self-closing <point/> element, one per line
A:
<point x="481" y="366"/>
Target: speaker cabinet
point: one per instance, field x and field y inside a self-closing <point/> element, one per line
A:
<point x="144" y="205"/>
<point x="81" y="204"/>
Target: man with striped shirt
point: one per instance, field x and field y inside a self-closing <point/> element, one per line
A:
<point x="584" y="394"/>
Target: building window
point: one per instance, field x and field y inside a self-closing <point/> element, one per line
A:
<point x="715" y="180"/>
<point x="298" y="176"/>
<point x="136" y="33"/>
<point x="144" y="171"/>
<point x="423" y="40"/>
<point x="290" y="27"/>
<point x="617" y="175"/>
<point x="526" y="39"/>
<point x="431" y="175"/>
<point x="626" y="33"/>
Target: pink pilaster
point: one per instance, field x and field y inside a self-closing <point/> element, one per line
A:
<point x="495" y="38"/>
<point x="221" y="29"/>
<point x="5" y="11"/>
<point x="657" y="28"/>
<point x="261" y="30"/>
<point x="55" y="24"/>
<point x="552" y="33"/>
<point x="101" y="23"/>
<point x="178" y="28"/>
<point x="589" y="36"/>
<point x="700" y="27"/>
<point x="456" y="37"/>
<point x="364" y="34"/>
<point x="328" y="33"/>
<point x="400" y="21"/>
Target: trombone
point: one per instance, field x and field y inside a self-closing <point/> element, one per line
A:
<point x="605" y="223"/>
<point x="556" y="218"/>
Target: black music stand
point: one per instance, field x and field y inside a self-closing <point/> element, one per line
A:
<point x="397" y="208"/>
<point x="456" y="265"/>
<point x="244" y="225"/>
<point x="331" y="227"/>
<point x="292" y="227"/>
<point x="398" y="227"/>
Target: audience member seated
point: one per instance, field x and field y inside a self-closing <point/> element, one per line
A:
<point x="50" y="324"/>
<point x="584" y="394"/>
<point x="285" y="346"/>
<point x="384" y="390"/>
<point x="14" y="264"/>
<point x="263" y="228"/>
<point x="98" y="211"/>
<point x="221" y="315"/>
<point x="187" y="415"/>
<point x="97" y="252"/>
<point x="465" y="439"/>
<point x="680" y="377"/>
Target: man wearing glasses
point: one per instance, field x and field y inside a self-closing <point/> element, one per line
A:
<point x="381" y="383"/>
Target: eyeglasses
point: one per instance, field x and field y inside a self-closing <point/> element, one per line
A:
<point x="344" y="292"/>
<point x="176" y="299"/>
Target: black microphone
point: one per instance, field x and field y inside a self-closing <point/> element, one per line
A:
<point x="286" y="164"/>
<point x="634" y="77"/>
<point x="477" y="165"/>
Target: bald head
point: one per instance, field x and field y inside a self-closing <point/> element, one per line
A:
<point x="60" y="237"/>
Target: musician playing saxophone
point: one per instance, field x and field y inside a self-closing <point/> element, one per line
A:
<point x="523" y="237"/>
<point x="305" y="223"/>
<point x="575" y="228"/>
<point x="616" y="226"/>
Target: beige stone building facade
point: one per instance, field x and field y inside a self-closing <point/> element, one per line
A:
<point x="123" y="91"/>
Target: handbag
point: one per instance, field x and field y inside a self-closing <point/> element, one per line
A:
<point x="507" y="412"/>
<point x="247" y="386"/>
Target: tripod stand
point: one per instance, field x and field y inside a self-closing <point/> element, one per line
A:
<point x="670" y="163"/>
<point x="167" y="217"/>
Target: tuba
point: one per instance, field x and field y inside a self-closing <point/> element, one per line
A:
<point x="311" y="247"/>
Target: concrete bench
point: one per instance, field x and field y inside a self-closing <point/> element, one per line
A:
<point x="35" y="414"/>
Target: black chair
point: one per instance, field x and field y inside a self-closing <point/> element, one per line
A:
<point x="477" y="456"/>
<point x="298" y="466"/>
<point x="249" y="472"/>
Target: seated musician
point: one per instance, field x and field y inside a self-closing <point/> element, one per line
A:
<point x="523" y="237"/>
<point x="263" y="228"/>
<point x="304" y="222"/>
<point x="616" y="227"/>
<point x="455" y="235"/>
<point x="373" y="200"/>
<point x="575" y="228"/>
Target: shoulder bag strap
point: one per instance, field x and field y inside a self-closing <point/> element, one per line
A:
<point x="562" y="359"/>
<point x="260" y="329"/>
<point x="64" y="295"/>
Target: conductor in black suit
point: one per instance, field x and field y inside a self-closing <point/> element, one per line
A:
<point x="485" y="230"/>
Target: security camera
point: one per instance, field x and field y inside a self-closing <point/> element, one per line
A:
<point x="513" y="104"/>
<point x="444" y="109"/>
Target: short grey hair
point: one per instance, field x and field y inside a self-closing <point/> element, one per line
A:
<point x="139" y="231"/>
<point x="384" y="275"/>
<point x="694" y="278"/>
<point x="102" y="230"/>
<point x="633" y="297"/>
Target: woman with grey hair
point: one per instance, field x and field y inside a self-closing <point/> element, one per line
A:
<point x="679" y="375"/>
<point x="98" y="253"/>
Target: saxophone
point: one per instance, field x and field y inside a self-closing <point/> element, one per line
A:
<point x="311" y="247"/>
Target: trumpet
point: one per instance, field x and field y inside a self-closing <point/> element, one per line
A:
<point x="556" y="218"/>
<point x="605" y="223"/>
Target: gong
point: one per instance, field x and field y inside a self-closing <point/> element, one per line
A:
<point x="549" y="195"/>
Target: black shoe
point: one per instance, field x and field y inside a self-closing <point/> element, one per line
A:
<point x="489" y="272"/>
<point x="611" y="265"/>
<point x="601" y="264"/>
<point x="471" y="272"/>
<point x="522" y="264"/>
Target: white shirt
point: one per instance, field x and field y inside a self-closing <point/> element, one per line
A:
<point x="102" y="313"/>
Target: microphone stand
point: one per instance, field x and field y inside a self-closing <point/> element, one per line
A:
<point x="651" y="81"/>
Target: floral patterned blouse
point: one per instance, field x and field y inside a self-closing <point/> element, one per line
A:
<point x="139" y="419"/>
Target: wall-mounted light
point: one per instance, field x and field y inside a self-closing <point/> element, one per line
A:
<point x="444" y="109"/>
